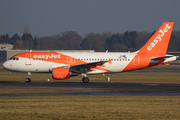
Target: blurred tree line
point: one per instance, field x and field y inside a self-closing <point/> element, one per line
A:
<point x="71" y="40"/>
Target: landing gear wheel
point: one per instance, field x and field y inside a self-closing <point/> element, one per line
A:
<point x="28" y="79"/>
<point x="85" y="79"/>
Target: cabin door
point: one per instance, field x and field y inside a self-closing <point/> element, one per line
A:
<point x="136" y="60"/>
<point x="28" y="59"/>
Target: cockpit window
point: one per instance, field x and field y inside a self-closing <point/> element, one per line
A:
<point x="14" y="58"/>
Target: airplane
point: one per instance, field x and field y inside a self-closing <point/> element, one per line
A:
<point x="68" y="64"/>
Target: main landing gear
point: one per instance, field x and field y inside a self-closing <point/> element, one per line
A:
<point x="85" y="79"/>
<point x="28" y="79"/>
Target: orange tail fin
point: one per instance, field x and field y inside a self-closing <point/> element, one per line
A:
<point x="158" y="43"/>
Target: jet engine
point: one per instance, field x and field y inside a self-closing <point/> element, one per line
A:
<point x="62" y="73"/>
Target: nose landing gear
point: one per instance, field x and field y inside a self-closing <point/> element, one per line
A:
<point x="28" y="79"/>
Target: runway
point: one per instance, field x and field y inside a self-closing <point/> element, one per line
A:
<point x="95" y="88"/>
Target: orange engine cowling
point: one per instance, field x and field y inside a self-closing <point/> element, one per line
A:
<point x="62" y="73"/>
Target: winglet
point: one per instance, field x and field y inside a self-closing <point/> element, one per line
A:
<point x="110" y="61"/>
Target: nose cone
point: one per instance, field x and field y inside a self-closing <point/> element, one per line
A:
<point x="6" y="65"/>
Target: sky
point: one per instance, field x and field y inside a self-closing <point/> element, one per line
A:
<point x="52" y="17"/>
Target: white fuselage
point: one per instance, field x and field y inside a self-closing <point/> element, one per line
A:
<point x="118" y="63"/>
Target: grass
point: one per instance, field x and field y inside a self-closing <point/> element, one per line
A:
<point x="90" y="107"/>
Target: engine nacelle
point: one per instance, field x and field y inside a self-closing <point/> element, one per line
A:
<point x="62" y="73"/>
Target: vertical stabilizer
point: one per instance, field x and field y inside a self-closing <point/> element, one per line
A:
<point x="158" y="43"/>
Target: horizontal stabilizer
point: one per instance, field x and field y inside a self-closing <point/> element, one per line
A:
<point x="154" y="60"/>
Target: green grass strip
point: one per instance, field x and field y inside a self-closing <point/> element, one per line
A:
<point x="90" y="107"/>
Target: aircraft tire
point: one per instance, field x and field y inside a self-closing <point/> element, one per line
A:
<point x="28" y="79"/>
<point x="85" y="79"/>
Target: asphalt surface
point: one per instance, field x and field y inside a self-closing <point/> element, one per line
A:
<point x="95" y="88"/>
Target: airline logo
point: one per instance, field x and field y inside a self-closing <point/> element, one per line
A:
<point x="47" y="56"/>
<point x="158" y="38"/>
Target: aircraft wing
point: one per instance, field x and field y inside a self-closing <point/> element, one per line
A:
<point x="87" y="66"/>
<point x="92" y="64"/>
